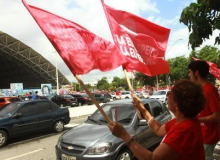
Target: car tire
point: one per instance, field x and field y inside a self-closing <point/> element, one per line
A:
<point x="58" y="126"/>
<point x="114" y="98"/>
<point x="3" y="138"/>
<point x="124" y="155"/>
<point x="126" y="97"/>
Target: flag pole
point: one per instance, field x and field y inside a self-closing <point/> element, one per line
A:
<point x="93" y="99"/>
<point x="132" y="91"/>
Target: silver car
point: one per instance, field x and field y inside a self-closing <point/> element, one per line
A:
<point x="93" y="140"/>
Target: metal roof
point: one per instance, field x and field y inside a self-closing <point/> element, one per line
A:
<point x="21" y="64"/>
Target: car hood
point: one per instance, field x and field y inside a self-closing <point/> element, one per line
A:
<point x="87" y="134"/>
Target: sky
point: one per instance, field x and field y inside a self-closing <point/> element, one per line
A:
<point x="16" y="21"/>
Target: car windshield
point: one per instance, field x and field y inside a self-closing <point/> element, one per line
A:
<point x="8" y="109"/>
<point x="160" y="93"/>
<point x="116" y="112"/>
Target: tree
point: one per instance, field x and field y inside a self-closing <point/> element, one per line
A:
<point x="202" y="18"/>
<point x="103" y="84"/>
<point x="178" y="68"/>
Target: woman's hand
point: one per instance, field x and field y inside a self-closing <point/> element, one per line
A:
<point x="136" y="101"/>
<point x="117" y="129"/>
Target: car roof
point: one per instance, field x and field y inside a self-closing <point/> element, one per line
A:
<point x="29" y="101"/>
<point x="9" y="97"/>
<point x="129" y="101"/>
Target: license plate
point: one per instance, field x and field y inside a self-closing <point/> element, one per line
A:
<point x="65" y="157"/>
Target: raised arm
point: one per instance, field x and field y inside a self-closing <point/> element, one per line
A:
<point x="163" y="152"/>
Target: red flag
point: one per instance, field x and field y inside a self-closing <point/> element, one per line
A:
<point x="80" y="49"/>
<point x="213" y="68"/>
<point x="144" y="45"/>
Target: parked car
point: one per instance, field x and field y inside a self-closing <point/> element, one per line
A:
<point x="102" y="98"/>
<point x="82" y="99"/>
<point x="65" y="100"/>
<point x="6" y="100"/>
<point x="93" y="139"/>
<point x="98" y="97"/>
<point x="115" y="97"/>
<point x="160" y="95"/>
<point x="125" y="95"/>
<point x="107" y="97"/>
<point x="26" y="117"/>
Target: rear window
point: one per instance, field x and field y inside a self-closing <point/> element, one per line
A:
<point x="68" y="96"/>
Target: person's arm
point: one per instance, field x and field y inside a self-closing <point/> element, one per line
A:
<point x="214" y="117"/>
<point x="163" y="152"/>
<point x="156" y="127"/>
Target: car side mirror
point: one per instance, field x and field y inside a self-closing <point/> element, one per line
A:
<point x="142" y="122"/>
<point x="17" y="115"/>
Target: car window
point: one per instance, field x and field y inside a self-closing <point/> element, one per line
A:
<point x="28" y="109"/>
<point x="2" y="100"/>
<point x="8" y="109"/>
<point x="147" y="107"/>
<point x="44" y="107"/>
<point x="121" y="113"/>
<point x="68" y="96"/>
<point x="156" y="108"/>
<point x="160" y="93"/>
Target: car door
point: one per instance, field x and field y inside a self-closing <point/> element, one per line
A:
<point x="27" y="122"/>
<point x="159" y="115"/>
<point x="46" y="115"/>
<point x="144" y="135"/>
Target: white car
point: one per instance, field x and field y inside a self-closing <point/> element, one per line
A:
<point x="125" y="95"/>
<point x="160" y="95"/>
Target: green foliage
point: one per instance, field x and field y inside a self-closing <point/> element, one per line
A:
<point x="202" y="18"/>
<point x="103" y="84"/>
<point x="178" y="68"/>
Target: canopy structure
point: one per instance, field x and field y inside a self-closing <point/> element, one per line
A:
<point x="21" y="64"/>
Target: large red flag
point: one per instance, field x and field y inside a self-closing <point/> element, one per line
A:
<point x="144" y="45"/>
<point x="80" y="49"/>
<point x="213" y="68"/>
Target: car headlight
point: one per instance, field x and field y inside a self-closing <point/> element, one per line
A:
<point x="59" y="141"/>
<point x="99" y="149"/>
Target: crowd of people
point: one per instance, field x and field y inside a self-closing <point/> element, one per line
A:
<point x="194" y="132"/>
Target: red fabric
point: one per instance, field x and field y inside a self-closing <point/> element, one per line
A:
<point x="211" y="134"/>
<point x="213" y="68"/>
<point x="80" y="49"/>
<point x="144" y="45"/>
<point x="185" y="138"/>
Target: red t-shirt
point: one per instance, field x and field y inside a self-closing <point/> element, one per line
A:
<point x="185" y="138"/>
<point x="210" y="131"/>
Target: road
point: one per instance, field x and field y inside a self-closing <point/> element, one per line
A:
<point x="37" y="147"/>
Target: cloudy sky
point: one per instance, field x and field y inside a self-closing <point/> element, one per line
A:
<point x="16" y="21"/>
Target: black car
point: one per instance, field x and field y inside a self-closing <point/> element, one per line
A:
<point x="27" y="117"/>
<point x="92" y="140"/>
<point x="82" y="99"/>
<point x="65" y="100"/>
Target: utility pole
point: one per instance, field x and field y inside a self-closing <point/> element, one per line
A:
<point x="57" y="74"/>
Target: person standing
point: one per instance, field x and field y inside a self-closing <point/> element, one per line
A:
<point x="209" y="117"/>
<point x="182" y="135"/>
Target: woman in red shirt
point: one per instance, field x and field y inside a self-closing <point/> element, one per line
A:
<point x="182" y="135"/>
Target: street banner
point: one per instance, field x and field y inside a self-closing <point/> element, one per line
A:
<point x="81" y="50"/>
<point x="213" y="68"/>
<point x="142" y="42"/>
<point x="16" y="89"/>
<point x="46" y="89"/>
